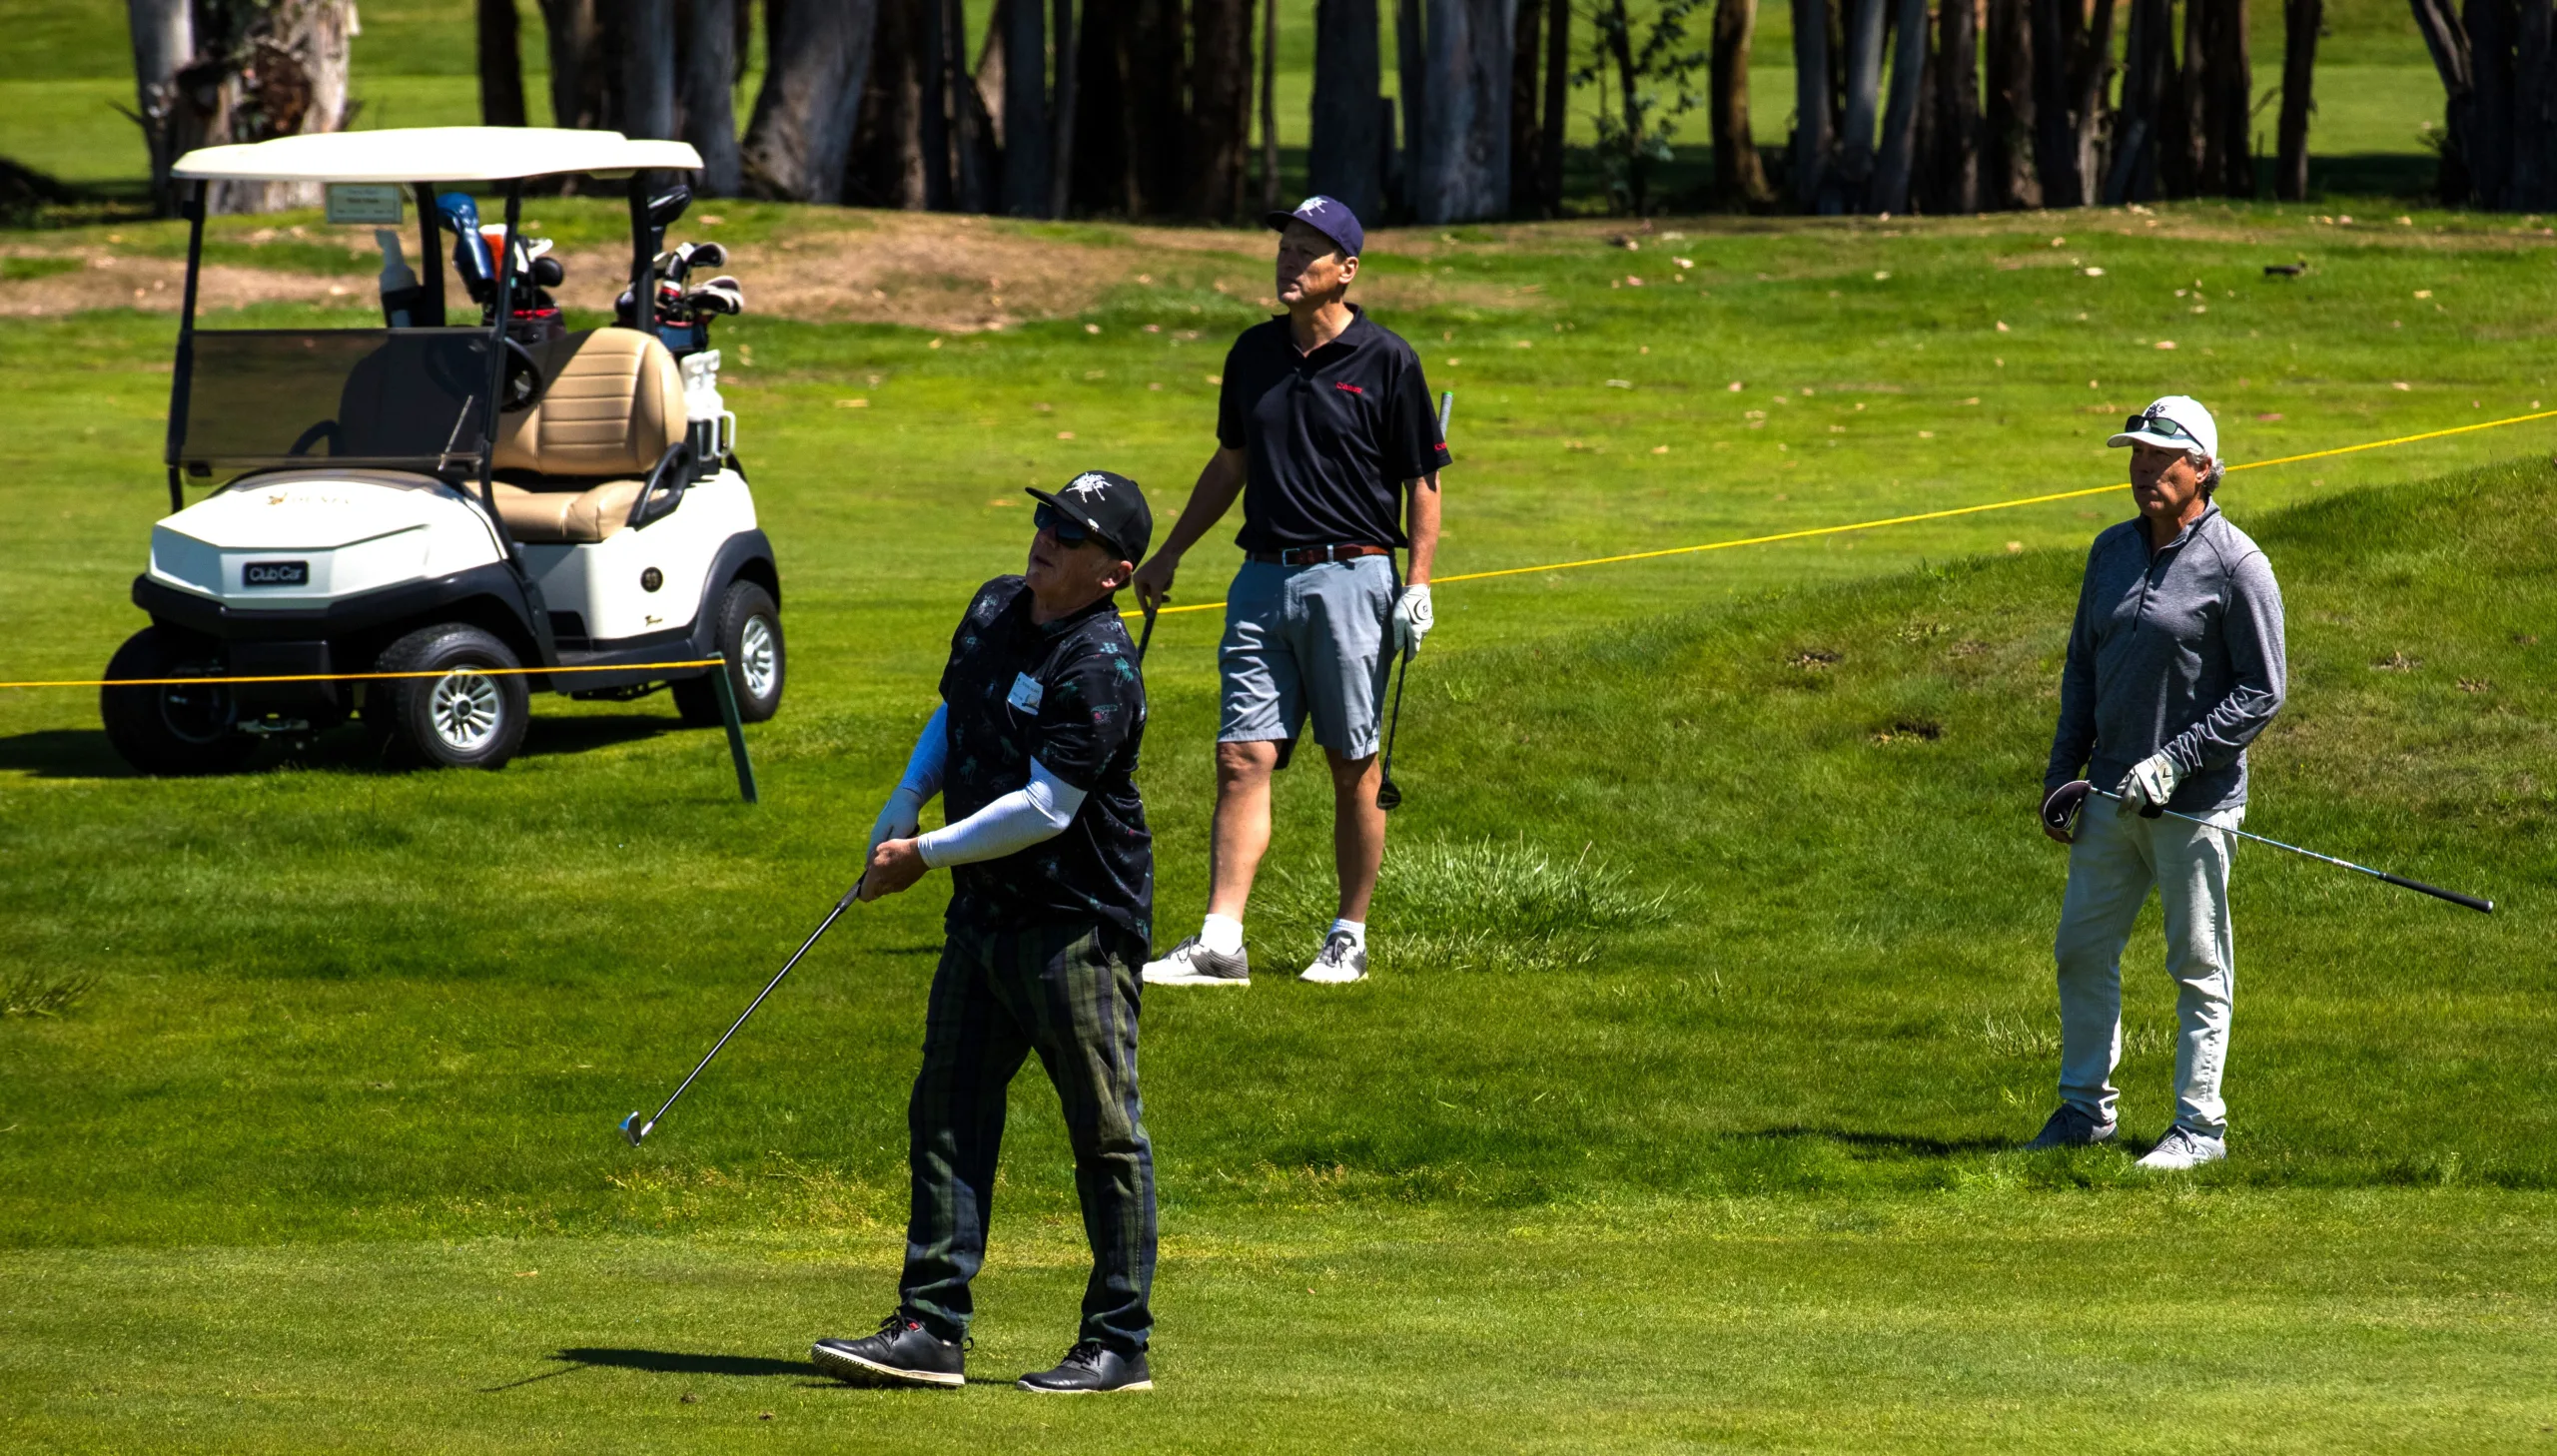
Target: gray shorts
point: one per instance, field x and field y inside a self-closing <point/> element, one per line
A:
<point x="1307" y="640"/>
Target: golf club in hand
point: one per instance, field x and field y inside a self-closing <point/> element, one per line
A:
<point x="631" y="1126"/>
<point x="1389" y="796"/>
<point x="2060" y="811"/>
<point x="1147" y="637"/>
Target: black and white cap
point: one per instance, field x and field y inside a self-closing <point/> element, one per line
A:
<point x="1109" y="506"/>
<point x="2176" y="423"/>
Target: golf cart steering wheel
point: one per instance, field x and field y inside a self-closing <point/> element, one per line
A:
<point x="325" y="429"/>
<point x="524" y="381"/>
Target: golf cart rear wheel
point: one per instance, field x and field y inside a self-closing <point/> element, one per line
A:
<point x="461" y="718"/>
<point x="173" y="729"/>
<point x="750" y="640"/>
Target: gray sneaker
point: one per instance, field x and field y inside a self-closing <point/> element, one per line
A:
<point x="2069" y="1128"/>
<point x="1192" y="964"/>
<point x="2183" y="1149"/>
<point x="1343" y="960"/>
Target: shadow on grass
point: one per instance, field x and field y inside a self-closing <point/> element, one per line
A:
<point x="62" y="753"/>
<point x="656" y="1363"/>
<point x="1882" y="1143"/>
<point x="85" y="753"/>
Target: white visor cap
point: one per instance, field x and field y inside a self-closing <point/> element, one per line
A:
<point x="2177" y="422"/>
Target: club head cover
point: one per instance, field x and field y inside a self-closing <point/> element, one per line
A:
<point x="722" y="295"/>
<point x="709" y="255"/>
<point x="2060" y="808"/>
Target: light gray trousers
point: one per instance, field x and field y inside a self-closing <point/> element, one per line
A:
<point x="2117" y="860"/>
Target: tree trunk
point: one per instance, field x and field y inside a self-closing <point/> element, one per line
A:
<point x="974" y="164"/>
<point x="501" y="65"/>
<point x="1220" y="129"/>
<point x="1549" y="147"/>
<point x="2055" y="23"/>
<point x="2535" y="184"/>
<point x="801" y="135"/>
<point x="2447" y="40"/>
<point x="887" y="163"/>
<point x="2011" y="182"/>
<point x="1815" y="188"/>
<point x="260" y="73"/>
<point x="1061" y="115"/>
<point x="2089" y="75"/>
<point x="1464" y="148"/>
<point x="1342" y="159"/>
<point x="1895" y="163"/>
<point x="990" y="70"/>
<point x="1740" y="179"/>
<point x="576" y="41"/>
<point x="1024" y="25"/>
<point x="2300" y="19"/>
<point x="1100" y="161"/>
<point x="164" y="41"/>
<point x="1616" y="38"/>
<point x="1526" y="137"/>
<point x="1864" y="98"/>
<point x="1268" y="105"/>
<point x="648" y="68"/>
<point x="1412" y="70"/>
<point x="708" y="111"/>
<point x="2132" y="172"/>
<point x="2184" y="140"/>
<point x="2490" y="50"/>
<point x="1956" y="148"/>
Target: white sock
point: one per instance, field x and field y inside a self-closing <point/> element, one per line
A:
<point x="1221" y="935"/>
<point x="1356" y="930"/>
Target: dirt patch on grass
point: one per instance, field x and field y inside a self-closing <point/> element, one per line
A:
<point x="105" y="280"/>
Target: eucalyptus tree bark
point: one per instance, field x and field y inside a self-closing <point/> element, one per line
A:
<point x="2491" y="27"/>
<point x="1344" y="160"/>
<point x="2300" y="19"/>
<point x="801" y="135"/>
<point x="648" y="68"/>
<point x="1526" y="137"/>
<point x="1740" y="179"/>
<point x="263" y="71"/>
<point x="1465" y="152"/>
<point x="1814" y="181"/>
<point x="1956" y="183"/>
<point x="1557" y="104"/>
<point x="1099" y="171"/>
<point x="2447" y="41"/>
<point x="1412" y="69"/>
<point x="1155" y="117"/>
<point x="2073" y="51"/>
<point x="975" y="163"/>
<point x="2227" y="162"/>
<point x="1895" y="163"/>
<point x="1220" y="128"/>
<point x="1864" y="95"/>
<point x="2185" y="123"/>
<point x="1268" y="104"/>
<point x="1061" y="112"/>
<point x="2011" y="180"/>
<point x="164" y="41"/>
<point x="2147" y="82"/>
<point x="1025" y="108"/>
<point x="500" y="57"/>
<point x="707" y="115"/>
<point x="574" y="36"/>
<point x="2534" y="175"/>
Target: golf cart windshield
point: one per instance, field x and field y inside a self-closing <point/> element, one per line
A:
<point x="407" y="397"/>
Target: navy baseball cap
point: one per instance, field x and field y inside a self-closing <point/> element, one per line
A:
<point x="1329" y="216"/>
<point x="1107" y="504"/>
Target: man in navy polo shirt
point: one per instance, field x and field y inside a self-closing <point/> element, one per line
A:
<point x="1326" y="431"/>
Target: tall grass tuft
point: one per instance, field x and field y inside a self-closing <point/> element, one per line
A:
<point x="30" y="993"/>
<point x="1484" y="905"/>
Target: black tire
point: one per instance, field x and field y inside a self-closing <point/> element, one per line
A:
<point x="750" y="640"/>
<point x="459" y="720"/>
<point x="172" y="731"/>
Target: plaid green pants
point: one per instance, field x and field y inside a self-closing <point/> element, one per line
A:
<point x="1070" y="994"/>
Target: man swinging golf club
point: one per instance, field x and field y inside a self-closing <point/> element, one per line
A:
<point x="1325" y="428"/>
<point x="1032" y="749"/>
<point x="2176" y="663"/>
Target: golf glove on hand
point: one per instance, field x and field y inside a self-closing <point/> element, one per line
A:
<point x="2148" y="785"/>
<point x="899" y="818"/>
<point x="1412" y="619"/>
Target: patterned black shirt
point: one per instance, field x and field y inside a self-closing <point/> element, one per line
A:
<point x="1069" y="695"/>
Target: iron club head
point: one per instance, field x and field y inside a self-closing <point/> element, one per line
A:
<point x="635" y="1129"/>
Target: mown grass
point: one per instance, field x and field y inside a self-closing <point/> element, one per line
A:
<point x="1713" y="951"/>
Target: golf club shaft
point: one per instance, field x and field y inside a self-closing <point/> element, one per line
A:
<point x="823" y="926"/>
<point x="2482" y="907"/>
<point x="1146" y="639"/>
<point x="1393" y="723"/>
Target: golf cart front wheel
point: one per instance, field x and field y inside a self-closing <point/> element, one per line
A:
<point x="172" y="728"/>
<point x="464" y="716"/>
<point x="750" y="641"/>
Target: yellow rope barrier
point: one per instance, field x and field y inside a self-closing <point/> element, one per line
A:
<point x="1866" y="525"/>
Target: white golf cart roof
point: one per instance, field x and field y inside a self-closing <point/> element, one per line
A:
<point x="434" y="154"/>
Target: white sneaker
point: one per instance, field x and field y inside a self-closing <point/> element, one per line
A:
<point x="2184" y="1149"/>
<point x="1343" y="960"/>
<point x="1192" y="964"/>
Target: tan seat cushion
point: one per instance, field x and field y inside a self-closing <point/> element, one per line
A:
<point x="555" y="517"/>
<point x="613" y="405"/>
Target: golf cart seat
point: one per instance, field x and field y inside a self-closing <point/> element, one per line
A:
<point x="577" y="459"/>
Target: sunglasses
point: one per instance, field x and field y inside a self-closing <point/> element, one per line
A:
<point x="1067" y="530"/>
<point x="2156" y="425"/>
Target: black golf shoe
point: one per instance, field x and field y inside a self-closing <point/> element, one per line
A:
<point x="903" y="1352"/>
<point x="1092" y="1368"/>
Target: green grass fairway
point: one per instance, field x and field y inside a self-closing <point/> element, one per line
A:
<point x="1713" y="975"/>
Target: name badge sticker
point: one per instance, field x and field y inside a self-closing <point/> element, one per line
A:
<point x="1026" y="693"/>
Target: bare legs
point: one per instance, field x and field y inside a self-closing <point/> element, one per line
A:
<point x="1242" y="833"/>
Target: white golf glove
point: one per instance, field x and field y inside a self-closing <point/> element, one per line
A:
<point x="1412" y="619"/>
<point x="2147" y="787"/>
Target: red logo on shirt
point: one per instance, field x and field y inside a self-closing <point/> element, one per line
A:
<point x="1352" y="388"/>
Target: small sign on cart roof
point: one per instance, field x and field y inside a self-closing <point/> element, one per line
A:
<point x="365" y="202"/>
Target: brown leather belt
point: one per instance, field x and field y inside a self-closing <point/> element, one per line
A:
<point x="1317" y="555"/>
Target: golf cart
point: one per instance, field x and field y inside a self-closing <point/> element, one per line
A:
<point x="488" y="502"/>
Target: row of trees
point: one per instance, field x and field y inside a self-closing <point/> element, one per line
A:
<point x="1145" y="108"/>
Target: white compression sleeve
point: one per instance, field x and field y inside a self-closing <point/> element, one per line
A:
<point x="1040" y="810"/>
<point x="899" y="817"/>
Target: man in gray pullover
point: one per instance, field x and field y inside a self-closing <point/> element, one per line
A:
<point x="2175" y="665"/>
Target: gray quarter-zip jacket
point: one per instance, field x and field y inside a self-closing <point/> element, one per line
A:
<point x="2178" y="649"/>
